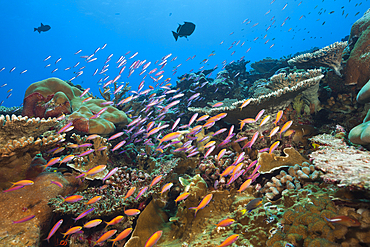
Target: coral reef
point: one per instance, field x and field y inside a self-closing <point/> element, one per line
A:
<point x="21" y="139"/>
<point x="304" y="224"/>
<point x="31" y="200"/>
<point x="54" y="97"/>
<point x="330" y="55"/>
<point x="357" y="71"/>
<point x="86" y="162"/>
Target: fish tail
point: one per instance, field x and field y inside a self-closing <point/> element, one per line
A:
<point x="196" y="210"/>
<point x="34" y="29"/>
<point x="176" y="35"/>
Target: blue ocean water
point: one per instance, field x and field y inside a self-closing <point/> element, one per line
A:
<point x="145" y="27"/>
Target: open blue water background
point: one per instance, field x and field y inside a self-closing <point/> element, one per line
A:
<point x="145" y="26"/>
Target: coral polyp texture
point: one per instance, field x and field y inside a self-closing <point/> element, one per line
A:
<point x="54" y="97"/>
<point x="344" y="165"/>
<point x="330" y="56"/>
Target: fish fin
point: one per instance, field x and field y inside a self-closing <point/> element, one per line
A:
<point x="42" y="24"/>
<point x="196" y="210"/>
<point x="243" y="211"/>
<point x="176" y="35"/>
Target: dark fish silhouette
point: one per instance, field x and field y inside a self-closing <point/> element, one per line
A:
<point x="42" y="28"/>
<point x="184" y="30"/>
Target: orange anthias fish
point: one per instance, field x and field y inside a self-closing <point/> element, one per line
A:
<point x="153" y="239"/>
<point x="122" y="235"/>
<point x="132" y="212"/>
<point x="230" y="240"/>
<point x="225" y="222"/>
<point x="169" y="137"/>
<point x="116" y="220"/>
<point x="72" y="230"/>
<point x="71" y="199"/>
<point x="129" y="193"/>
<point x="155" y="181"/>
<point x="182" y="197"/>
<point x="23" y="183"/>
<point x="105" y="236"/>
<point x="203" y="203"/>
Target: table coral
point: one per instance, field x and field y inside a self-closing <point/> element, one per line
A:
<point x="54" y="97"/>
<point x="330" y="55"/>
<point x="278" y="93"/>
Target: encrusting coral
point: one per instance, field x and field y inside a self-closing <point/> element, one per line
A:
<point x="330" y="55"/>
<point x="54" y="97"/>
<point x="342" y="164"/>
<point x="296" y="177"/>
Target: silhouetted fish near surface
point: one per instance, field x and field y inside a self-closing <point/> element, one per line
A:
<point x="42" y="28"/>
<point x="184" y="30"/>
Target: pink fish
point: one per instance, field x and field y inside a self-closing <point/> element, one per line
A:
<point x="141" y="192"/>
<point x="210" y="150"/>
<point x="240" y="158"/>
<point x="54" y="229"/>
<point x="84" y="214"/>
<point x="286" y="126"/>
<point x="115" y="136"/>
<point x="65" y="127"/>
<point x="110" y="174"/>
<point x="278" y="117"/>
<point x="57" y="183"/>
<point x="152" y="241"/>
<point x="219" y="131"/>
<point x="175" y="123"/>
<point x="120" y="144"/>
<point x="192" y="119"/>
<point x="85" y="145"/>
<point x="254" y="138"/>
<point x="166" y="187"/>
<point x="134" y="55"/>
<point x="155" y="180"/>
<point x="259" y="115"/>
<point x="194" y="96"/>
<point x="217" y="104"/>
<point x="30" y="217"/>
<point x="14" y="188"/>
<point x="86" y="152"/>
<point x="274" y="146"/>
